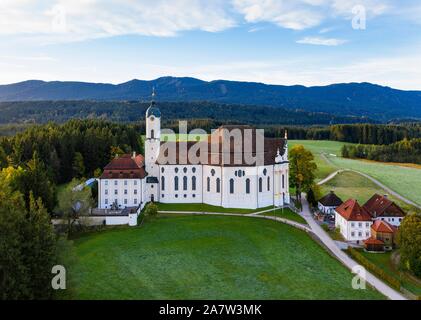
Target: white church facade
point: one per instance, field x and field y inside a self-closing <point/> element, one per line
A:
<point x="218" y="175"/>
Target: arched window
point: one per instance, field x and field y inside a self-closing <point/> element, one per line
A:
<point x="208" y="184"/>
<point x="193" y="183"/>
<point x="152" y="134"/>
<point x="283" y="181"/>
<point x="162" y="183"/>
<point x="176" y="183"/>
<point x="260" y="184"/>
<point x="247" y="185"/>
<point x="184" y="183"/>
<point x="231" y="185"/>
<point x="268" y="183"/>
<point x="218" y="185"/>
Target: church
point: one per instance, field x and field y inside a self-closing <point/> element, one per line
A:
<point x="234" y="167"/>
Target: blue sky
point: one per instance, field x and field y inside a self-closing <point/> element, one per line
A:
<point x="308" y="42"/>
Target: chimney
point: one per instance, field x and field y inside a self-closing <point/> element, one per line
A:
<point x="385" y="196"/>
<point x="134" y="154"/>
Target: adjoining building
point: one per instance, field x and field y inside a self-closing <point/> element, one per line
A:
<point x="383" y="237"/>
<point x="382" y="208"/>
<point x="329" y="203"/>
<point x="353" y="221"/>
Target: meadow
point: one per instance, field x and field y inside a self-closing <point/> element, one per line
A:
<point x="403" y="179"/>
<point x="207" y="257"/>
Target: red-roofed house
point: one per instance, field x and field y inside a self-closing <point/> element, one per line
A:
<point x="382" y="208"/>
<point x="353" y="221"/>
<point x="385" y="232"/>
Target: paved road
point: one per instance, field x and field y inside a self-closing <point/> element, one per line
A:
<point x="343" y="257"/>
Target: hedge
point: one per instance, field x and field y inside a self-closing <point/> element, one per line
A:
<point x="374" y="268"/>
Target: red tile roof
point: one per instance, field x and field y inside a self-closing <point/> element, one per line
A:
<point x="379" y="206"/>
<point x="125" y="167"/>
<point x="383" y="226"/>
<point x="373" y="241"/>
<point x="352" y="211"/>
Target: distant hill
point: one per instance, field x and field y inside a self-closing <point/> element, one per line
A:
<point x="347" y="99"/>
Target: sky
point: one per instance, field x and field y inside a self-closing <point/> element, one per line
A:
<point x="288" y="42"/>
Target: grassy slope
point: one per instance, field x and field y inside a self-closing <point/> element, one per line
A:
<point x="404" y="180"/>
<point x="352" y="185"/>
<point x="317" y="148"/>
<point x="383" y="260"/>
<point x="400" y="178"/>
<point x="208" y="257"/>
<point x="285" y="213"/>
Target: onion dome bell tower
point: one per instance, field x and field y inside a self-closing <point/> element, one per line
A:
<point x="153" y="137"/>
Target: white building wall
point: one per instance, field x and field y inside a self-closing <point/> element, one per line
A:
<point x="212" y="197"/>
<point x="129" y="192"/>
<point x="353" y="231"/>
<point x="239" y="198"/>
<point x="394" y="221"/>
<point x="169" y="194"/>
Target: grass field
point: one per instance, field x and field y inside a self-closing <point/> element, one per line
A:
<point x="402" y="179"/>
<point x="349" y="184"/>
<point x="285" y="213"/>
<point x="318" y="148"/>
<point x="384" y="261"/>
<point x="207" y="257"/>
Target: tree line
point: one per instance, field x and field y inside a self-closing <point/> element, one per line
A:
<point x="401" y="151"/>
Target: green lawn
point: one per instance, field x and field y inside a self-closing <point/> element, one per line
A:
<point x="383" y="260"/>
<point x="202" y="207"/>
<point x="400" y="178"/>
<point x="403" y="180"/>
<point x="285" y="213"/>
<point x="207" y="257"/>
<point x="352" y="185"/>
<point x="319" y="147"/>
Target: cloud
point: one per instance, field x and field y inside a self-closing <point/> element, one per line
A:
<point x="321" y="41"/>
<point x="296" y="15"/>
<point x="68" y="20"/>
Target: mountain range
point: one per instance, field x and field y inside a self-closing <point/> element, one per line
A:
<point x="345" y="99"/>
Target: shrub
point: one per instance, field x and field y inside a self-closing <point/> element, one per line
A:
<point x="151" y="210"/>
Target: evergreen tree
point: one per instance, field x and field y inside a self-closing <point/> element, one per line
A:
<point x="78" y="165"/>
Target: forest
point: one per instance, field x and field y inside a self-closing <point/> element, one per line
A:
<point x="40" y="112"/>
<point x="401" y="151"/>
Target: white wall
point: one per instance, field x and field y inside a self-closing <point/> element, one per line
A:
<point x="353" y="230"/>
<point x="116" y="220"/>
<point x="126" y="196"/>
<point x="169" y="194"/>
<point x="394" y="221"/>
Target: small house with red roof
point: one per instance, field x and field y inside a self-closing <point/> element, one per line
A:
<point x="353" y="221"/>
<point x="383" y="237"/>
<point x="383" y="209"/>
